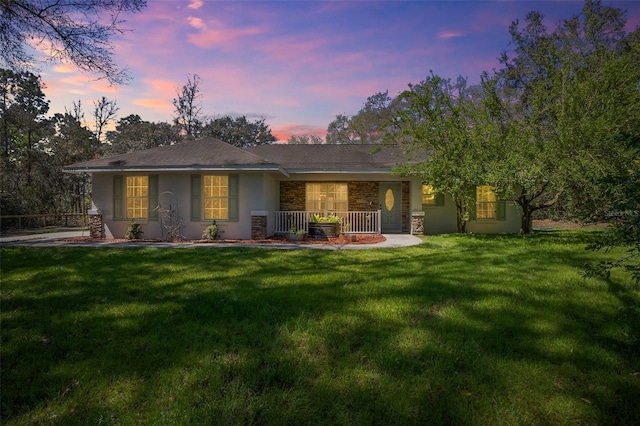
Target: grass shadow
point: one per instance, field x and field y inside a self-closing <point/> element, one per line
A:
<point x="461" y="329"/>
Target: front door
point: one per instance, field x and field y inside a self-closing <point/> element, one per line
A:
<point x="390" y="206"/>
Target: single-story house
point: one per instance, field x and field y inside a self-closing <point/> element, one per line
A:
<point x="261" y="191"/>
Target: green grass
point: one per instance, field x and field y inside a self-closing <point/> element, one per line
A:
<point x="459" y="330"/>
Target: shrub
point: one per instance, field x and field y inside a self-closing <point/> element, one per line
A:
<point x="326" y="219"/>
<point x="134" y="231"/>
<point x="211" y="233"/>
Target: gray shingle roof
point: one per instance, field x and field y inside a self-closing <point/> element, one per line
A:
<point x="211" y="153"/>
<point x="330" y="157"/>
<point x="198" y="154"/>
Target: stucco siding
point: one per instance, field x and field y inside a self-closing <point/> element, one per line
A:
<point x="442" y="220"/>
<point x="511" y="224"/>
<point x="174" y="192"/>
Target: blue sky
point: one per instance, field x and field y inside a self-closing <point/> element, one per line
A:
<point x="299" y="64"/>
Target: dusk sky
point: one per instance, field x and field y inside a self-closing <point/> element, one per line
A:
<point x="299" y="64"/>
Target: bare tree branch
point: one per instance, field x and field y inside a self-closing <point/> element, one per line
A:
<point x="78" y="31"/>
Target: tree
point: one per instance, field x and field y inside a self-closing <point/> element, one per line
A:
<point x="521" y="153"/>
<point x="23" y="107"/>
<point x="23" y="124"/>
<point x="79" y="32"/>
<point x="305" y="140"/>
<point x="72" y="141"/>
<point x="625" y="226"/>
<point x="188" y="111"/>
<point x="439" y="139"/>
<point x="239" y="131"/>
<point x="340" y="131"/>
<point x="368" y="126"/>
<point x="567" y="105"/>
<point x="134" y="134"/>
<point x="104" y="111"/>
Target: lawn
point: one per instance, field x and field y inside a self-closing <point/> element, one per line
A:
<point x="458" y="330"/>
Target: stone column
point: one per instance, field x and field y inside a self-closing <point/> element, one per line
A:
<point x="417" y="223"/>
<point x="258" y="225"/>
<point x="96" y="230"/>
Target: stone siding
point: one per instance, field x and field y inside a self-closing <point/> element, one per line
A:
<point x="364" y="196"/>
<point x="258" y="227"/>
<point x="292" y="196"/>
<point x="406" y="207"/>
<point x="417" y="225"/>
<point x="96" y="229"/>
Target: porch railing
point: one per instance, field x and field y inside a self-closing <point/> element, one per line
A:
<point x="366" y="222"/>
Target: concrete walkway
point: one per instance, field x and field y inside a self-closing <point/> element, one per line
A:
<point x="56" y="239"/>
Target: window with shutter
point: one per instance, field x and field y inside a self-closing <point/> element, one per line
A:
<point x="214" y="197"/>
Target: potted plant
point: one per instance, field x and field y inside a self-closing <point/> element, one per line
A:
<point x="295" y="234"/>
<point x="325" y="226"/>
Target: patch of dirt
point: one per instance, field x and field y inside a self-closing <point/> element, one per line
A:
<point x="278" y="239"/>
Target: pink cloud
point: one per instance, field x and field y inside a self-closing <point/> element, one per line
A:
<point x="79" y="84"/>
<point x="164" y="87"/>
<point x="195" y="4"/>
<point x="446" y="35"/>
<point x="157" y="104"/>
<point x="196" y="23"/>
<point x="64" y="68"/>
<point x="214" y="34"/>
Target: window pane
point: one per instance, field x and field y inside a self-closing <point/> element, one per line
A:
<point x="428" y="196"/>
<point x="389" y="200"/>
<point x="485" y="202"/>
<point x="327" y="197"/>
<point x="216" y="197"/>
<point x="137" y="197"/>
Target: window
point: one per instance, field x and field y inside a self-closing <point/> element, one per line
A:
<point x="216" y="197"/>
<point x="327" y="197"/>
<point x="430" y="197"/>
<point x="485" y="202"/>
<point x="137" y="197"/>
